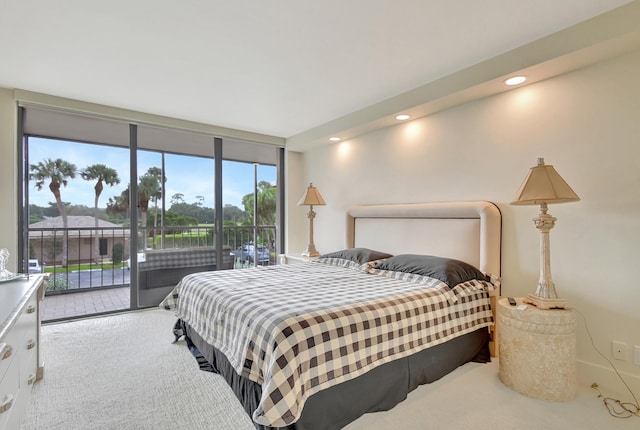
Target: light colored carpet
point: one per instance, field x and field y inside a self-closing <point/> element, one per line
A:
<point x="472" y="397"/>
<point x="122" y="372"/>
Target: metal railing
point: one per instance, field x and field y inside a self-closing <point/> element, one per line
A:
<point x="85" y="257"/>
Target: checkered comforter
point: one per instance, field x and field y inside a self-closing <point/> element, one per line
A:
<point x="297" y="329"/>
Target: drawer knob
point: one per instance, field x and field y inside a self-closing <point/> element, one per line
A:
<point x="6" y="403"/>
<point x="32" y="379"/>
<point x="31" y="344"/>
<point x="5" y="351"/>
<point x="31" y="309"/>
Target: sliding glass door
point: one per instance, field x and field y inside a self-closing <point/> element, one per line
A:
<point x="251" y="231"/>
<point x="74" y="232"/>
<point x="140" y="206"/>
<point x="175" y="194"/>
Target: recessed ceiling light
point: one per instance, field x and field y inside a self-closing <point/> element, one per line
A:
<point x="402" y="117"/>
<point x="515" y="80"/>
<point x="334" y="139"/>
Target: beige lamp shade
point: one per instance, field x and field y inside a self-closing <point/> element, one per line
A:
<point x="311" y="197"/>
<point x="544" y="185"/>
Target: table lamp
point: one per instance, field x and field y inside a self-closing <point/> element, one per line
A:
<point x="311" y="197"/>
<point x="543" y="185"/>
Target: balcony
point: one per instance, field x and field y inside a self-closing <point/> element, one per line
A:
<point x="80" y="303"/>
<point x="89" y="267"/>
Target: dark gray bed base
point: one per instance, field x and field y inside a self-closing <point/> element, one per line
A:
<point x="378" y="390"/>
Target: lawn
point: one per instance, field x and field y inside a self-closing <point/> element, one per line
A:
<point x="87" y="266"/>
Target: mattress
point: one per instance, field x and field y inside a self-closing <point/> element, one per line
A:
<point x="296" y="330"/>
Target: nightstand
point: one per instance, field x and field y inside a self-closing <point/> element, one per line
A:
<point x="294" y="259"/>
<point x="537" y="350"/>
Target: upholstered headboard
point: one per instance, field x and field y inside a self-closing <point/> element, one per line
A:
<point x="468" y="231"/>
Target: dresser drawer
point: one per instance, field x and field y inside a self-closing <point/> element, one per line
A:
<point x="28" y="364"/>
<point x="8" y="352"/>
<point x="15" y="391"/>
<point x="25" y="326"/>
<point x="9" y="387"/>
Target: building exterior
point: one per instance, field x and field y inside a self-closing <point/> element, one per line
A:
<point x="46" y="239"/>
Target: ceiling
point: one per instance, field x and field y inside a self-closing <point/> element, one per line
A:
<point x="281" y="67"/>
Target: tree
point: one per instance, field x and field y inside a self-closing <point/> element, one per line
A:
<point x="79" y="210"/>
<point x="266" y="204"/>
<point x="156" y="172"/>
<point x="36" y="213"/>
<point x="234" y="214"/>
<point x="53" y="210"/>
<point x="266" y="209"/>
<point x="57" y="172"/>
<point x="102" y="175"/>
<point x="117" y="253"/>
<point x="176" y="220"/>
<point x="202" y="214"/>
<point x="118" y="205"/>
<point x="199" y="203"/>
<point x="148" y="189"/>
<point x="177" y="198"/>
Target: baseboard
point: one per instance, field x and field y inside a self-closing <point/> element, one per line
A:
<point x="608" y="381"/>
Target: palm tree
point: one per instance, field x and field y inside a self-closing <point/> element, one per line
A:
<point x="266" y="204"/>
<point x="266" y="216"/>
<point x="156" y="172"/>
<point x="57" y="172"/>
<point x="118" y="205"/>
<point x="148" y="189"/>
<point x="199" y="203"/>
<point x="102" y="175"/>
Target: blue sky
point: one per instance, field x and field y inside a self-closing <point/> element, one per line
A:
<point x="190" y="176"/>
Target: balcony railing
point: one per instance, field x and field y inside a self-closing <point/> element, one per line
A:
<point x="98" y="258"/>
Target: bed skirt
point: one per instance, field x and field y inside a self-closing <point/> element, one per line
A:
<point x="377" y="390"/>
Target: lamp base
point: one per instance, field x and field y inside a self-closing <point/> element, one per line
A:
<point x="311" y="250"/>
<point x="544" y="303"/>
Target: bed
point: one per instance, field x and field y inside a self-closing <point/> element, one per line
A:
<point x="316" y="345"/>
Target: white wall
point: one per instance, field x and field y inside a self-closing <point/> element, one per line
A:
<point x="8" y="177"/>
<point x="295" y="233"/>
<point x="586" y="124"/>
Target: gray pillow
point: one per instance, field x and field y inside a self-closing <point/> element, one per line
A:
<point x="451" y="272"/>
<point x="358" y="255"/>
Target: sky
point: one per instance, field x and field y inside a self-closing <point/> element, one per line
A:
<point x="190" y="176"/>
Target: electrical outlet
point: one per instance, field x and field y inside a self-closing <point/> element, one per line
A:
<point x="619" y="350"/>
<point x="636" y="354"/>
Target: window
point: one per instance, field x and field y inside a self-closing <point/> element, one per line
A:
<point x="179" y="184"/>
<point x="103" y="243"/>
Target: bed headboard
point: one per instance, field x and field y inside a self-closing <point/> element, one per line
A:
<point x="468" y="231"/>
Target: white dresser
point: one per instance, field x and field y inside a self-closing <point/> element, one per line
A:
<point x="20" y="360"/>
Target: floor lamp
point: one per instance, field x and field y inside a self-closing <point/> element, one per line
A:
<point x="543" y="185"/>
<point x="311" y="198"/>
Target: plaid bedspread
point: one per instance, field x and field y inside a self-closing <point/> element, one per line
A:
<point x="297" y="329"/>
